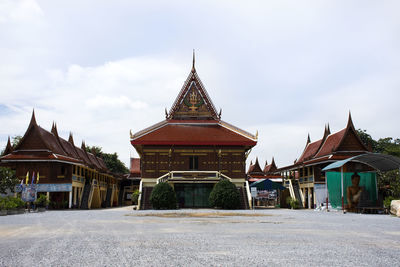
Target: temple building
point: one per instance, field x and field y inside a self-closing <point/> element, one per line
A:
<point x="192" y="149"/>
<point x="305" y="175"/>
<point x="70" y="176"/>
<point x="270" y="171"/>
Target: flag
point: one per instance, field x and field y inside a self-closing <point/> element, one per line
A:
<point x="27" y="177"/>
<point x="33" y="177"/>
<point x="22" y="182"/>
<point x="37" y="179"/>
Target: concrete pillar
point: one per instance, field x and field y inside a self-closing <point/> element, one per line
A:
<point x="70" y="200"/>
<point x="48" y="196"/>
<point x="76" y="196"/>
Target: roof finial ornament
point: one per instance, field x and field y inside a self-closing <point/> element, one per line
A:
<point x="220" y="113"/>
<point x="308" y="138"/>
<point x="130" y="134"/>
<point x="193" y="64"/>
<point x="33" y="119"/>
<point x="350" y="121"/>
<point x="166" y="113"/>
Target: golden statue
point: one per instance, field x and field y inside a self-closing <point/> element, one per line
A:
<point x="353" y="193"/>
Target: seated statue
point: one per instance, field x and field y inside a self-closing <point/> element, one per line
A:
<point x="353" y="193"/>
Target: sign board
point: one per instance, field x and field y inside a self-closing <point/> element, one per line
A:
<point x="253" y="191"/>
<point x="29" y="193"/>
<point x="47" y="187"/>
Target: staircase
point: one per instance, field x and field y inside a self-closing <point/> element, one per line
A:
<point x="296" y="191"/>
<point x="146" y="193"/>
<point x="244" y="203"/>
<point x="85" y="196"/>
<point x="108" y="197"/>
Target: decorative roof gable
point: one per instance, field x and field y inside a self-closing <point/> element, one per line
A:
<point x="255" y="169"/>
<point x="8" y="148"/>
<point x="193" y="101"/>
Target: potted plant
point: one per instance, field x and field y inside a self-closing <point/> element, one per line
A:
<point x="3" y="210"/>
<point x="11" y="206"/>
<point x="41" y="202"/>
<point x="20" y="205"/>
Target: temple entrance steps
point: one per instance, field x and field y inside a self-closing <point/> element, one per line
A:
<point x="295" y="191"/>
<point x="244" y="203"/>
<point x="85" y="196"/>
<point x="108" y="197"/>
<point x="145" y="200"/>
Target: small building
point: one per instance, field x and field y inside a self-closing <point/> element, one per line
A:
<point x="129" y="185"/>
<point x="306" y="175"/>
<point x="69" y="175"/>
<point x="192" y="149"/>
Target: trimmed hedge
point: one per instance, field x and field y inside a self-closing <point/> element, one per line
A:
<point x="224" y="195"/>
<point x="163" y="197"/>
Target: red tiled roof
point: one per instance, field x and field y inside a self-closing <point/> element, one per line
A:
<point x="192" y="133"/>
<point x="331" y="143"/>
<point x="135" y="166"/>
<point x="310" y="150"/>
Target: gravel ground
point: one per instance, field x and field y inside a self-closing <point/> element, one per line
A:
<point x="120" y="236"/>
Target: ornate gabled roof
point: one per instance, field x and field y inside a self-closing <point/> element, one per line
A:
<point x="8" y="148"/>
<point x="40" y="144"/>
<point x="193" y="101"/>
<point x="193" y="120"/>
<point x="271" y="167"/>
<point x="335" y="142"/>
<point x="255" y="169"/>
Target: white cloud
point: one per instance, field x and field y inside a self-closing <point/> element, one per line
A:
<point x="100" y="68"/>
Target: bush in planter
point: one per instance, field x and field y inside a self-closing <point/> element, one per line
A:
<point x="41" y="201"/>
<point x="388" y="201"/>
<point x="163" y="197"/>
<point x="224" y="195"/>
<point x="135" y="197"/>
<point x="292" y="202"/>
<point x="3" y="210"/>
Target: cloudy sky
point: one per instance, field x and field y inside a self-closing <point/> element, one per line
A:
<point x="284" y="68"/>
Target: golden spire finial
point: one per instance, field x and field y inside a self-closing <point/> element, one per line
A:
<point x="193" y="64"/>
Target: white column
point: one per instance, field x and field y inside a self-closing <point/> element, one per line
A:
<point x="70" y="199"/>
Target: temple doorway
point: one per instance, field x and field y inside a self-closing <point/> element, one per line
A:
<point x="193" y="195"/>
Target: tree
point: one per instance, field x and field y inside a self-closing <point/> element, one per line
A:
<point x="113" y="163"/>
<point x="16" y="140"/>
<point x="388" y="182"/>
<point x="8" y="180"/>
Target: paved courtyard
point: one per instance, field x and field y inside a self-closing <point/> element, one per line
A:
<point x="122" y="237"/>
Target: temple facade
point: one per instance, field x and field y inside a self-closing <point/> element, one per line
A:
<point x="305" y="174"/>
<point x="192" y="149"/>
<point x="70" y="176"/>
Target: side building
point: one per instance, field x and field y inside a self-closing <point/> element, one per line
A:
<point x="192" y="149"/>
<point x="70" y="176"/>
<point x="305" y="176"/>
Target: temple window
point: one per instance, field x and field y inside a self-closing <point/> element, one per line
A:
<point x="193" y="163"/>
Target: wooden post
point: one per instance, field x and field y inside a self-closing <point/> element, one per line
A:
<point x="341" y="172"/>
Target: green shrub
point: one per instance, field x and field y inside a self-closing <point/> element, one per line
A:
<point x="163" y="197"/>
<point x="2" y="203"/>
<point x="387" y="201"/>
<point x="11" y="203"/>
<point x="41" y="201"/>
<point x="292" y="202"/>
<point x="224" y="195"/>
<point x="135" y="196"/>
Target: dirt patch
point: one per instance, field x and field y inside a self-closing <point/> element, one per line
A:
<point x="199" y="214"/>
